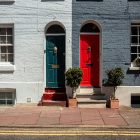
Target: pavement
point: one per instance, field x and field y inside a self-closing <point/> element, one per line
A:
<point x="43" y="116"/>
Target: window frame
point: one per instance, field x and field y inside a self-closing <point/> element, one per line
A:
<point x="136" y="45"/>
<point x="7" y="44"/>
<point x="5" y="98"/>
<point x="8" y="66"/>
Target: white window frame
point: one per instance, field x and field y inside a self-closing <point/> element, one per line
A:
<point x="8" y="66"/>
<point x="133" y="65"/>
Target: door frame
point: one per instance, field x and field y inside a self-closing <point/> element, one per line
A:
<point x="100" y="50"/>
<point x="45" y="56"/>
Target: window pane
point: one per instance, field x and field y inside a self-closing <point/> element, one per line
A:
<point x="3" y="49"/>
<point x="134" y="30"/>
<point x="2" y="39"/>
<point x="3" y="57"/>
<point x="10" y="102"/>
<point x="10" y="49"/>
<point x="133" y="57"/>
<point x="134" y="39"/>
<point x="9" y="95"/>
<point x="139" y="49"/>
<point x="10" y="57"/>
<point x="134" y="49"/>
<point x="9" y="39"/>
<point x="2" y="102"/>
<point x="9" y="31"/>
<point x="2" y="95"/>
<point x="2" y="31"/>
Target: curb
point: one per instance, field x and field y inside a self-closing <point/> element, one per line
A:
<point x="70" y="126"/>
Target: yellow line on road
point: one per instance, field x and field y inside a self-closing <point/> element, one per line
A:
<point x="69" y="133"/>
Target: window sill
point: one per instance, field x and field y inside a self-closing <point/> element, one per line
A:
<point x="7" y="67"/>
<point x="134" y="68"/>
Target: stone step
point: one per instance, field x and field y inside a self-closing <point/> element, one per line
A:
<point x="91" y="103"/>
<point x="91" y="96"/>
<point x="90" y="90"/>
<point x="53" y="103"/>
<point x="54" y="96"/>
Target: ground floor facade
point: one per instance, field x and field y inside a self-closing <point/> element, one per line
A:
<point x="32" y="60"/>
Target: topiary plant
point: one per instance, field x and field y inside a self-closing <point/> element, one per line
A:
<point x="73" y="78"/>
<point x="114" y="78"/>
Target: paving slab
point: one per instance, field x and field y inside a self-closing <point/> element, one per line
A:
<point x="93" y="121"/>
<point x="48" y="121"/>
<point x="26" y="120"/>
<point x="6" y="120"/>
<point x="57" y="116"/>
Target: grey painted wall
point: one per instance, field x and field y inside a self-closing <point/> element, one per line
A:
<point x="114" y="18"/>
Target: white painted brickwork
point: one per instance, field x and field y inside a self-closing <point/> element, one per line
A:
<point x="30" y="17"/>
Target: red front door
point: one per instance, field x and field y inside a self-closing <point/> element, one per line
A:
<point x="89" y="59"/>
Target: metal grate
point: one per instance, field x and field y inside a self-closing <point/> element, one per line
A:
<point x="7" y="98"/>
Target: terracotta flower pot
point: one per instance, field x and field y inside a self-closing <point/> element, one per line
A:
<point x="114" y="103"/>
<point x="72" y="102"/>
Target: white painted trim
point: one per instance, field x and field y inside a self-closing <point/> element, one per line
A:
<point x="134" y="68"/>
<point x="7" y="67"/>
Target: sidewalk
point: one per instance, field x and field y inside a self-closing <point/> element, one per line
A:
<point x="38" y="116"/>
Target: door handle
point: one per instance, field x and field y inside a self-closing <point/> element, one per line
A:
<point x="89" y="49"/>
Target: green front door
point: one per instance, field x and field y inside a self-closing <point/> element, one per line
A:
<point x="55" y="61"/>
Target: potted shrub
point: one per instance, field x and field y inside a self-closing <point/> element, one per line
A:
<point x="114" y="78"/>
<point x="73" y="79"/>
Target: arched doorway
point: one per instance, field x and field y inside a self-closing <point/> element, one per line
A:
<point x="89" y="55"/>
<point x="55" y="56"/>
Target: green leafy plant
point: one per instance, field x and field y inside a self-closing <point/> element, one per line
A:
<point x="114" y="78"/>
<point x="73" y="78"/>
